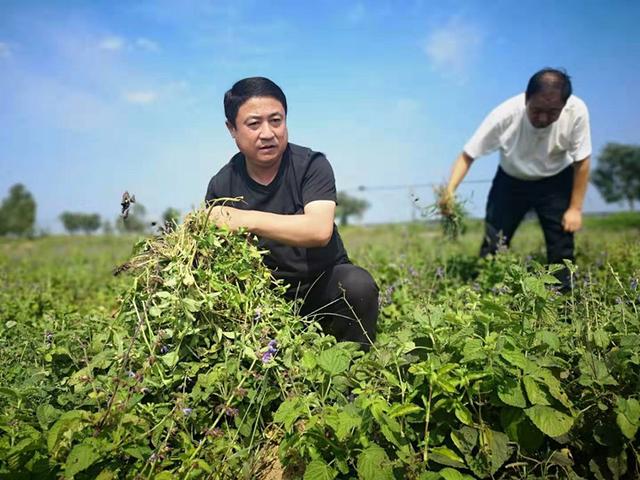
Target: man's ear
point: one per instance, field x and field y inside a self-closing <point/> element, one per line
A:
<point x="231" y="128"/>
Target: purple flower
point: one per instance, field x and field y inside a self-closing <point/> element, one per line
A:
<point x="440" y="272"/>
<point x="272" y="349"/>
<point x="187" y="411"/>
<point x="231" y="411"/>
<point x="164" y="349"/>
<point x="634" y="284"/>
<point x="413" y="272"/>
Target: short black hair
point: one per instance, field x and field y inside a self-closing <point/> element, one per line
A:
<point x="247" y="88"/>
<point x="549" y="79"/>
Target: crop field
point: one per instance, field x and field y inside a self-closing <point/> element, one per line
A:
<point x="189" y="363"/>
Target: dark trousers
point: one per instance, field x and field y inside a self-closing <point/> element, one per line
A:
<point x="510" y="199"/>
<point x="345" y="301"/>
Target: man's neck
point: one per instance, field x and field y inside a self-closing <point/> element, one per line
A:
<point x="263" y="175"/>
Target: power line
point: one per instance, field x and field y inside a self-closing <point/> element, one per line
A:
<point x="365" y="188"/>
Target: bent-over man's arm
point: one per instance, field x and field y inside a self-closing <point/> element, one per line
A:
<point x="313" y="228"/>
<point x="459" y="171"/>
<point x="572" y="218"/>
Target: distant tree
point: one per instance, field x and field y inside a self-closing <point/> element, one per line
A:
<point x="90" y="223"/>
<point x="107" y="228"/>
<point x="135" y="221"/>
<point x="18" y="212"/>
<point x="70" y="221"/>
<point x="171" y="215"/>
<point x="349" y="206"/>
<point x="617" y="175"/>
<point x="74" y="221"/>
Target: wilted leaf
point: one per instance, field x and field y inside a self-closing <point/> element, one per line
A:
<point x="499" y="451"/>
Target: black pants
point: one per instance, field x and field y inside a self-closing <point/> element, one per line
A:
<point x="345" y="301"/>
<point x="510" y="199"/>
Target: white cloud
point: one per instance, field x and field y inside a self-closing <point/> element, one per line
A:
<point x="146" y="44"/>
<point x="454" y="47"/>
<point x="141" y="97"/>
<point x="5" y="50"/>
<point x="112" y="43"/>
<point x="116" y="43"/>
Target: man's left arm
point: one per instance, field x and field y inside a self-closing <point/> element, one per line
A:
<point x="313" y="228"/>
<point x="572" y="219"/>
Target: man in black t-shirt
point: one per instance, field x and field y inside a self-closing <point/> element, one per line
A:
<point x="289" y="201"/>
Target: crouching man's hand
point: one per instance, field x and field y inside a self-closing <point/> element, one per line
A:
<point x="230" y="217"/>
<point x="572" y="220"/>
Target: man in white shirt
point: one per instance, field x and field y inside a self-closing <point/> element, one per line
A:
<point x="545" y="150"/>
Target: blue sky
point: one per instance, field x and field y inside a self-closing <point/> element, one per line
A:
<point x="101" y="97"/>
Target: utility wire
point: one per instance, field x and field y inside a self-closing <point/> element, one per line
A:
<point x="365" y="188"/>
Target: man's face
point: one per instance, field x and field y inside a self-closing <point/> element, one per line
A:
<point x="544" y="108"/>
<point x="261" y="131"/>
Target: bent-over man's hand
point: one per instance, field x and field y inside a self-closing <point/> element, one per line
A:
<point x="445" y="202"/>
<point x="572" y="220"/>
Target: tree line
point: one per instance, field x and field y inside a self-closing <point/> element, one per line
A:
<point x="616" y="176"/>
<point x="18" y="216"/>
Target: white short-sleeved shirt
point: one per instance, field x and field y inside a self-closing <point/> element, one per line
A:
<point x="530" y="153"/>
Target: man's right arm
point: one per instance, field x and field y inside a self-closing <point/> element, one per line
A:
<point x="485" y="139"/>
<point x="459" y="171"/>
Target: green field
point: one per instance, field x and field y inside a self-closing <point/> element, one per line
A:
<point x="481" y="369"/>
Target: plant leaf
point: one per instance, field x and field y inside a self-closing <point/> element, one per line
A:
<point x="335" y="360"/>
<point x="289" y="411"/>
<point x="510" y="392"/>
<point x="319" y="470"/>
<point x="80" y="458"/>
<point x="374" y="464"/>
<point x="550" y="421"/>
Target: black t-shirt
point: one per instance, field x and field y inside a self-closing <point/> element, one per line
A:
<point x="304" y="176"/>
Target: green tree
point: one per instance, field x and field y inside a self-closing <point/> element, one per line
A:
<point x="70" y="222"/>
<point x="18" y="212"/>
<point x="617" y="175"/>
<point x="74" y="221"/>
<point x="135" y="221"/>
<point x="90" y="222"/>
<point x="349" y="206"/>
<point x="171" y="215"/>
<point x="107" y="227"/>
